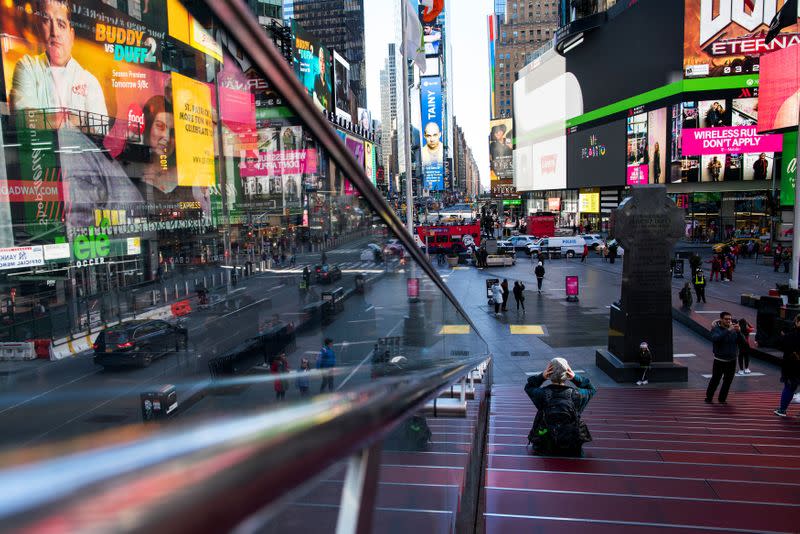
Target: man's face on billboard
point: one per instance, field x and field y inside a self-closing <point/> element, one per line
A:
<point x="57" y="33"/>
<point x="432" y="136"/>
<point x="161" y="138"/>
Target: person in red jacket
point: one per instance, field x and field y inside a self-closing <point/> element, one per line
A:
<point x="279" y="366"/>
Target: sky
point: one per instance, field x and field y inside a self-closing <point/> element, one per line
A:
<point x="470" y="57"/>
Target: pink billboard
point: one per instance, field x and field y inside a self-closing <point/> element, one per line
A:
<point x="779" y="89"/>
<point x="637" y="174"/>
<point x="728" y="140"/>
<point x="279" y="163"/>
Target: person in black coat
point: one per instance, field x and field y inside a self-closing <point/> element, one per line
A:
<point x="539" y="272"/>
<point x="506" y="292"/>
<point x="790" y="368"/>
<point x="519" y="296"/>
<point x="725" y="338"/>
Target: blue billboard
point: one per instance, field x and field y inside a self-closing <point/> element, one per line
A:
<point x="432" y="145"/>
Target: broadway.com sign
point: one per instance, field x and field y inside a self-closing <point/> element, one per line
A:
<point x="728" y="140"/>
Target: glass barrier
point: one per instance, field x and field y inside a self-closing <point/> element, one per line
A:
<point x="174" y="242"/>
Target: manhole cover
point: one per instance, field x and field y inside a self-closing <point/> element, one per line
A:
<point x="106" y="418"/>
<point x="520" y="353"/>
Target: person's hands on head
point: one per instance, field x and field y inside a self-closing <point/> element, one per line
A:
<point x="548" y="371"/>
<point x="570" y="374"/>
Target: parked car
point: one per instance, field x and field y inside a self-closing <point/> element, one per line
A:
<point x="566" y="246"/>
<point x="505" y="247"/>
<point x="372" y="253"/>
<point x="327" y="274"/>
<point x="137" y="343"/>
<point x="620" y="250"/>
<point x="521" y="242"/>
<point x="593" y="240"/>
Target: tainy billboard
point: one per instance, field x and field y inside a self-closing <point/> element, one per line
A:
<point x="727" y="37"/>
<point x="432" y="144"/>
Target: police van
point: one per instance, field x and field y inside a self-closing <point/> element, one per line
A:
<point x="566" y="246"/>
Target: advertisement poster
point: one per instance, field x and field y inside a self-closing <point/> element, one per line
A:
<point x="369" y="161"/>
<point x="647" y="147"/>
<point x="312" y="65"/>
<point x="717" y="141"/>
<point x="779" y="90"/>
<point x="501" y="153"/>
<point x="657" y="145"/>
<point x="194" y="134"/>
<point x="589" y="200"/>
<point x="18" y="257"/>
<point x="638" y="163"/>
<point x="789" y="169"/>
<point x="431" y="34"/>
<point x="341" y="83"/>
<point x="728" y="140"/>
<point x="432" y="144"/>
<point x="723" y="38"/>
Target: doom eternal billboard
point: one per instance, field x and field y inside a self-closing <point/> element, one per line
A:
<point x="727" y="37"/>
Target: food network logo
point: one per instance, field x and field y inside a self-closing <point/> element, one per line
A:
<point x="594" y="150"/>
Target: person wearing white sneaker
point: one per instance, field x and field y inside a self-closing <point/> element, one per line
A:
<point x="790" y="367"/>
<point x="645" y="360"/>
<point x="744" y="347"/>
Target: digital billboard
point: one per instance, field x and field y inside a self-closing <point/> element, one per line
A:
<point x="779" y="90"/>
<point x="341" y="83"/>
<point x="369" y="162"/>
<point x="789" y="169"/>
<point x="716" y="140"/>
<point x="646" y="154"/>
<point x="138" y="138"/>
<point x="432" y="151"/>
<point x="312" y="65"/>
<point x="597" y="156"/>
<point x="723" y="38"/>
<point x="549" y="164"/>
<point x="501" y="152"/>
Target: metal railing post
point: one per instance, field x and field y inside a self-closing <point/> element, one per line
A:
<point x="358" y="492"/>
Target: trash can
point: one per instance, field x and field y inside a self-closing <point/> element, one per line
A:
<point x="159" y="404"/>
<point x="361" y="283"/>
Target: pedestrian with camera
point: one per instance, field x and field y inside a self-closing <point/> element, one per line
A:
<point x="726" y="335"/>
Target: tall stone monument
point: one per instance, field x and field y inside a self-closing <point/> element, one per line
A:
<point x="647" y="225"/>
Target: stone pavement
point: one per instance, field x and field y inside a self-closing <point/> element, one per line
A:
<point x="576" y="330"/>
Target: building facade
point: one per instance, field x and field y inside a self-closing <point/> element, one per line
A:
<point x="338" y="24"/>
<point x="521" y="27"/>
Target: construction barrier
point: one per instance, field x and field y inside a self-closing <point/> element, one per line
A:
<point x="42" y="348"/>
<point x="181" y="308"/>
<point x="17" y="351"/>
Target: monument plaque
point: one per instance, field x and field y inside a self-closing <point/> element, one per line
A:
<point x="647" y="224"/>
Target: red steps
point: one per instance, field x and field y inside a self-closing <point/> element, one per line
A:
<point x="661" y="461"/>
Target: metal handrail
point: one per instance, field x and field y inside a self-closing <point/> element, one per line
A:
<point x="210" y="476"/>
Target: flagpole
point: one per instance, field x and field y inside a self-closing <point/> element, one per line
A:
<point x="406" y="123"/>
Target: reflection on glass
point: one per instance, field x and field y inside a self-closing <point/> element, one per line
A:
<point x="175" y="244"/>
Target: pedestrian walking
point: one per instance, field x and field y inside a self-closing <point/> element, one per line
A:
<point x="539" y="272"/>
<point x="786" y="259"/>
<point x="645" y="361"/>
<point x="700" y="285"/>
<point x="497" y="298"/>
<point x="279" y="366"/>
<point x="725" y="337"/>
<point x="789" y="342"/>
<point x="303" y="382"/>
<point x="519" y="295"/>
<point x="326" y="361"/>
<point x="716" y="267"/>
<point x="685" y="295"/>
<point x="506" y="292"/>
<point x="776" y="258"/>
<point x="585" y="253"/>
<point x="744" y="347"/>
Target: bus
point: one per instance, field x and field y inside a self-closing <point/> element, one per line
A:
<point x="449" y="237"/>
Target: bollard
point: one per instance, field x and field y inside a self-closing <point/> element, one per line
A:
<point x="176" y="292"/>
<point x="186" y="284"/>
<point x="166" y="298"/>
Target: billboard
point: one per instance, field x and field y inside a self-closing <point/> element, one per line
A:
<point x="597" y="156"/>
<point x="369" y="162"/>
<point x="589" y="200"/>
<point x="549" y="164"/>
<point x="341" y="84"/>
<point x="142" y="137"/>
<point x="723" y="38"/>
<point x="312" y="66"/>
<point x="432" y="151"/>
<point x="789" y="169"/>
<point x="646" y="154"/>
<point x="779" y="90"/>
<point x="501" y="154"/>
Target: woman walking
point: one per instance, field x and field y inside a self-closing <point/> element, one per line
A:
<point x="519" y="297"/>
<point x="744" y="347"/>
<point x="506" y="292"/>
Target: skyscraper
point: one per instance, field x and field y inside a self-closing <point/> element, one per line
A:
<point x="389" y="120"/>
<point x="288" y="10"/>
<point x="521" y="27"/>
<point x="267" y="10"/>
<point x="338" y="24"/>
